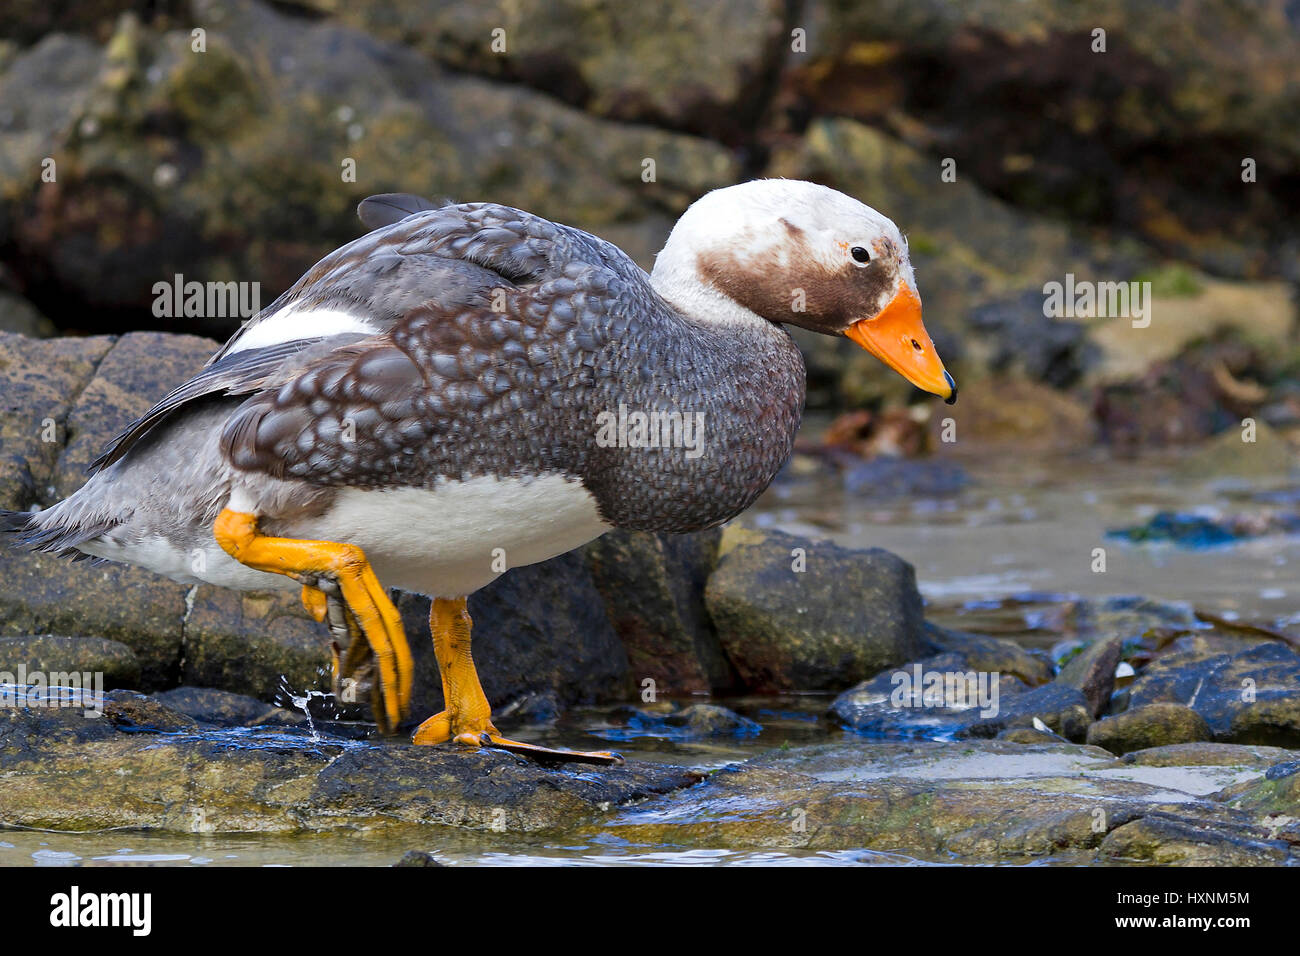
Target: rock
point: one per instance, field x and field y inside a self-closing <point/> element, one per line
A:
<point x="225" y="709"/>
<point x="49" y="655"/>
<point x="846" y="616"/>
<point x="541" y="709"/>
<point x="230" y="165"/>
<point x="1150" y="725"/>
<point x="1129" y="617"/>
<point x="1208" y="754"/>
<point x="28" y="20"/>
<point x="126" y="710"/>
<point x="896" y="478"/>
<point x="653" y="590"/>
<point x="980" y="801"/>
<point x="1092" y="671"/>
<point x="1274" y="800"/>
<point x="943" y="698"/>
<point x="1020" y="413"/>
<point x="1203" y="645"/>
<point x="981" y="652"/>
<point x="50" y="595"/>
<point x="1230" y="528"/>
<point x="63" y="772"/>
<point x="1250" y="697"/>
<point x="259" y="643"/>
<point x="1030" y="735"/>
<point x="39" y="382"/>
<point x="1228" y="456"/>
<point x="68" y="66"/>
<point x="79" y="393"/>
<point x="418" y="858"/>
<point x="1068" y="147"/>
<point x="1167" y="840"/>
<point x="1184" y="530"/>
<point x="539" y="628"/>
<point x="603" y="59"/>
<point x="1026" y="344"/>
<point x="1194" y="393"/>
<point x="19" y="316"/>
<point x="136" y="372"/>
<point x="695" y="722"/>
<point x="1175" y="355"/>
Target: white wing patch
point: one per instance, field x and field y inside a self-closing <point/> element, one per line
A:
<point x="291" y="324"/>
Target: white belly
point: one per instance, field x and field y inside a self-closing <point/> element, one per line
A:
<point x="453" y="540"/>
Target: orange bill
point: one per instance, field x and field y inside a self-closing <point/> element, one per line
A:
<point x="898" y="338"/>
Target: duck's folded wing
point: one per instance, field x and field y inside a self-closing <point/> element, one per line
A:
<point x="241" y="373"/>
<point x="452" y="265"/>
<point x="459" y="256"/>
<point x="352" y="419"/>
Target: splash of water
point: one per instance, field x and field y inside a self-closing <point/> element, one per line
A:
<point x="302" y="702"/>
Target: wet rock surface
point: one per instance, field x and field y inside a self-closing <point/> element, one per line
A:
<point x="982" y="800"/>
<point x="1250" y="697"/>
<point x="776" y="602"/>
<point x="196" y="760"/>
<point x="1149" y="725"/>
<point x="221" y="708"/>
<point x="943" y="698"/>
<point x="653" y="589"/>
<point x="672" y="721"/>
<point x="145" y="764"/>
<point x="981" y="652"/>
<point x="1092" y="672"/>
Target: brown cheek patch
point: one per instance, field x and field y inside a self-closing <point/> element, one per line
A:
<point x="833" y="298"/>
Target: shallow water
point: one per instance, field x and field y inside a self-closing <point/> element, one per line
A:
<point x="382" y="848"/>
<point x="1026" y="526"/>
<point x="998" y="557"/>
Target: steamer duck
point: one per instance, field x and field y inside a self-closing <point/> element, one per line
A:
<point x="468" y="388"/>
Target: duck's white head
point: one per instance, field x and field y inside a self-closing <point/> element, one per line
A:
<point x="782" y="250"/>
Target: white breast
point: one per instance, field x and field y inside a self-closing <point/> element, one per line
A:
<point x="453" y="540"/>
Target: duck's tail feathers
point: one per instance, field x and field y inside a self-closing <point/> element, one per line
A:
<point x="31" y="533"/>
<point x="14" y="520"/>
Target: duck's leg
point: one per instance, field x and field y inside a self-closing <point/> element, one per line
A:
<point x="345" y="566"/>
<point x="468" y="717"/>
<point x="353" y="660"/>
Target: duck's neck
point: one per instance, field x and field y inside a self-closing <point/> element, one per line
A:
<point x="702" y="302"/>
<point x="735" y="379"/>
<point x="677" y="279"/>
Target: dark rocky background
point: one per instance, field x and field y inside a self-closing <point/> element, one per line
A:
<point x="1116" y="165"/>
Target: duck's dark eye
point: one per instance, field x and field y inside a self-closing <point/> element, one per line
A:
<point x="860" y="254"/>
